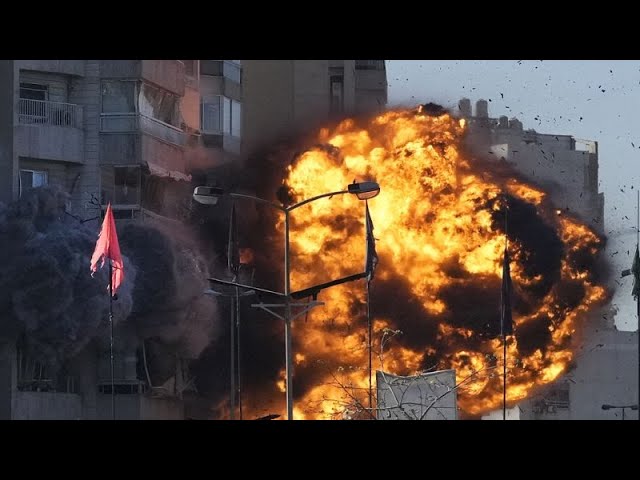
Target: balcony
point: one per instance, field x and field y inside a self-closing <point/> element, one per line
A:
<point x="39" y="112"/>
<point x="134" y="122"/>
<point x="50" y="130"/>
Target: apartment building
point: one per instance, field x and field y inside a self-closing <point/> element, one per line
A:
<point x="138" y="134"/>
<point x="284" y="98"/>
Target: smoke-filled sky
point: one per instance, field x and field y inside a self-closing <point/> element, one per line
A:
<point x="594" y="100"/>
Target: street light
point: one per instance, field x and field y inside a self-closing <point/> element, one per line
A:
<point x="207" y="195"/>
<point x="622" y="407"/>
<point x="234" y="388"/>
<point x="211" y="195"/>
<point x="364" y="190"/>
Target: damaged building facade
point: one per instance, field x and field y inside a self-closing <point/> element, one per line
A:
<point x="139" y="134"/>
<point x="605" y="369"/>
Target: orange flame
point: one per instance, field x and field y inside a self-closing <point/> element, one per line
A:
<point x="246" y="256"/>
<point x="435" y="229"/>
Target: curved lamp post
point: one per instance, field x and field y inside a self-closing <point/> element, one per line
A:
<point x="211" y="195"/>
<point x="621" y="407"/>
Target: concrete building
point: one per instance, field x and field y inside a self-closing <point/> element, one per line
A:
<point x="106" y="130"/>
<point x="561" y="164"/>
<point x="135" y="133"/>
<point x="284" y="98"/>
<point x="606" y="366"/>
<point x="129" y="132"/>
<point x="605" y="373"/>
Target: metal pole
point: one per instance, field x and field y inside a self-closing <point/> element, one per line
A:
<point x="238" y="351"/>
<point x="232" y="387"/>
<point x="369" y="327"/>
<point x="287" y="321"/>
<point x="502" y="327"/>
<point x="504" y="379"/>
<point x="623" y="413"/>
<point x="113" y="391"/>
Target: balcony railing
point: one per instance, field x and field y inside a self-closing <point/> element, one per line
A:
<point x="120" y="123"/>
<point x="369" y="64"/>
<point x="40" y="112"/>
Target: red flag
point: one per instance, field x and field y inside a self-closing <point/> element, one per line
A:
<point x="107" y="247"/>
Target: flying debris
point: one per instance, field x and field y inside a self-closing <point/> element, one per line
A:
<point x="440" y="239"/>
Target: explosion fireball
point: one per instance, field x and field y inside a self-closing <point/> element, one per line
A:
<point x="440" y="236"/>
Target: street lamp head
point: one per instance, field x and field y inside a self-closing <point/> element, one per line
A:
<point x="634" y="407"/>
<point x="207" y="195"/>
<point x="607" y="407"/>
<point x="364" y="190"/>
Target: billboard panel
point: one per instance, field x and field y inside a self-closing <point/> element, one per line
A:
<point x="428" y="396"/>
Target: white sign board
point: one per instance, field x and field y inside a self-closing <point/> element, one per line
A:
<point x="428" y="396"/>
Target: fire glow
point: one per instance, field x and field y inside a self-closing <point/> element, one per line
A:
<point x="439" y="225"/>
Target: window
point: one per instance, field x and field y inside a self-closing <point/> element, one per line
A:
<point x="337" y="93"/>
<point x="226" y="115"/>
<point x="231" y="69"/>
<point x="118" y="96"/>
<point x="32" y="108"/>
<point x="236" y="118"/>
<point x="34" y="91"/>
<point x="190" y="67"/>
<point x="221" y="115"/>
<point x="369" y="64"/>
<point x="211" y="67"/>
<point x="159" y="104"/>
<point x="32" y="179"/>
<point x="212" y="116"/>
<point x="120" y="185"/>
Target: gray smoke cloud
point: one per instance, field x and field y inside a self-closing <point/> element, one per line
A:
<point x="169" y="304"/>
<point x="46" y="290"/>
<point x="48" y="294"/>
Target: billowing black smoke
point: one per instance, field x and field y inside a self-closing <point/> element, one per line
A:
<point x="46" y="291"/>
<point x="48" y="296"/>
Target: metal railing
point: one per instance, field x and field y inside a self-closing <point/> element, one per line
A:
<point x="161" y="130"/>
<point x="120" y="123"/>
<point x="41" y="112"/>
<point x="369" y="64"/>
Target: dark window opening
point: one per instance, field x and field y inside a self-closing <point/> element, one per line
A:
<point x="337" y="94"/>
<point x="211" y="67"/>
<point x="32" y="179"/>
<point x="121" y="185"/>
<point x="118" y="97"/>
<point x="123" y="389"/>
<point x="369" y="64"/>
<point x="34" y="91"/>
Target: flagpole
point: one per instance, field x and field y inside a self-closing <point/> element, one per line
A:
<point x="238" y="351"/>
<point x="232" y="389"/>
<point x="371" y="261"/>
<point x="113" y="396"/>
<point x="502" y="323"/>
<point x="369" y="327"/>
<point x="232" y="264"/>
<point x="504" y="380"/>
